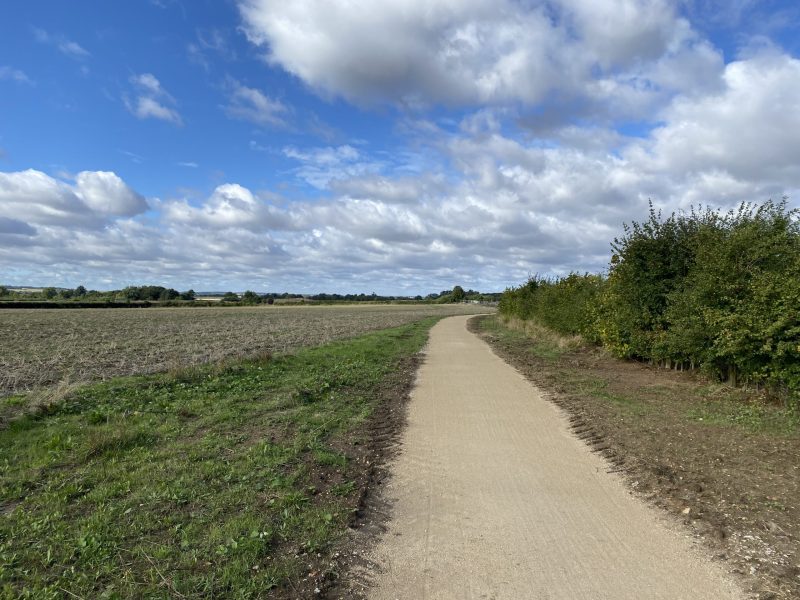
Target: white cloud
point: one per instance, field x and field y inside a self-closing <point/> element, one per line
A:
<point x="391" y="190"/>
<point x="66" y="46"/>
<point x="148" y="83"/>
<point x="229" y="206"/>
<point x="623" y="32"/>
<point x="473" y="51"/>
<point x="107" y="195"/>
<point x="250" y="104"/>
<point x="73" y="49"/>
<point x="11" y="74"/>
<point x="136" y="158"/>
<point x="321" y="166"/>
<point x="94" y="198"/>
<point x="152" y="101"/>
<point x="149" y="108"/>
<point x="748" y="129"/>
<point x="478" y="201"/>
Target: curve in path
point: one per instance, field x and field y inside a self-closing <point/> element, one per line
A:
<point x="494" y="498"/>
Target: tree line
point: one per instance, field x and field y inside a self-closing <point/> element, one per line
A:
<point x="697" y="290"/>
<point x="164" y="295"/>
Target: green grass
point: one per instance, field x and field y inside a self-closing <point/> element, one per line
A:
<point x="196" y="483"/>
<point x="539" y="341"/>
<point x="721" y="405"/>
<point x="598" y="388"/>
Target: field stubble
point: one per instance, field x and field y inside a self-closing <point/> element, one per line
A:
<point x="47" y="348"/>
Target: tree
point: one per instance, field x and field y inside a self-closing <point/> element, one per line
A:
<point x="188" y="295"/>
<point x="49" y="293"/>
<point x="80" y="291"/>
<point x="230" y="297"/>
<point x="250" y="297"/>
<point x="3" y="290"/>
<point x="168" y="294"/>
<point x="458" y="295"/>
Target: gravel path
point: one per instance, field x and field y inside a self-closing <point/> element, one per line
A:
<point x="494" y="498"/>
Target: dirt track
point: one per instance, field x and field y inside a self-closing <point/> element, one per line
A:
<point x="494" y="498"/>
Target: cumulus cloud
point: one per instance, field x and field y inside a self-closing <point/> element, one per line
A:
<point x="251" y="104"/>
<point x="151" y="100"/>
<point x="477" y="51"/>
<point x="107" y="195"/>
<point x="477" y="200"/>
<point x="229" y="206"/>
<point x="95" y="197"/>
<point x="748" y="129"/>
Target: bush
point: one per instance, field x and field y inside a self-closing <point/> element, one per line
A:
<point x="700" y="289"/>
<point x="565" y="305"/>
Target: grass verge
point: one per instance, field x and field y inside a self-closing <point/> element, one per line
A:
<point x="228" y="480"/>
<point x="722" y="460"/>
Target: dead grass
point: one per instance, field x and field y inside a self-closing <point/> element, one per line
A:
<point x="545" y="337"/>
<point x="42" y="348"/>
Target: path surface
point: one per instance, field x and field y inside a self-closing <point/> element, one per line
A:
<point x="494" y="498"/>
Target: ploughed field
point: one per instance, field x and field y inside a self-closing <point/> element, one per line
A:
<point x="47" y="347"/>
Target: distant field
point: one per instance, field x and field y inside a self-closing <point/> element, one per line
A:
<point x="45" y="347"/>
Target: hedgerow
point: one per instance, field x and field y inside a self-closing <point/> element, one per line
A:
<point x="703" y="289"/>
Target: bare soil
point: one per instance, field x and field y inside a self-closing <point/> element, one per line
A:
<point x="686" y="446"/>
<point x="42" y="348"/>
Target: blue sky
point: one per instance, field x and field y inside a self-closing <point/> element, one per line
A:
<point x="397" y="146"/>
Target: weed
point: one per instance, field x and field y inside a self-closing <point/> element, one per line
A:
<point x="194" y="483"/>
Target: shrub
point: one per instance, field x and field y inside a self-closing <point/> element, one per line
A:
<point x="565" y="305"/>
<point x="719" y="291"/>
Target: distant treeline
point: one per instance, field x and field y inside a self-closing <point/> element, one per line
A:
<point x="457" y="294"/>
<point x="80" y="297"/>
<point x="704" y="289"/>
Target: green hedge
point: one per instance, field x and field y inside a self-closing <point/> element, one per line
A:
<point x="703" y="289"/>
<point x="564" y="305"/>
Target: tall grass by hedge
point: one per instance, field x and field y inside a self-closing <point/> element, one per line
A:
<point x="703" y="289"/>
<point x="564" y="305"/>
